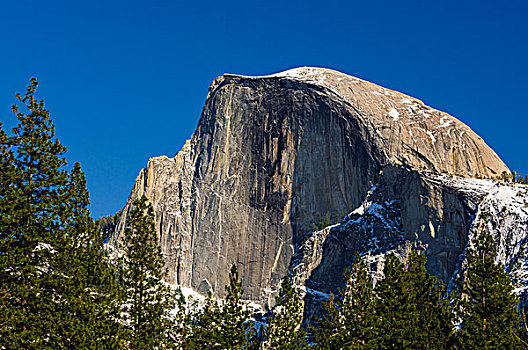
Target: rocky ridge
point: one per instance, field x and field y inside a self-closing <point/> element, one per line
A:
<point x="274" y="155"/>
<point x="391" y="221"/>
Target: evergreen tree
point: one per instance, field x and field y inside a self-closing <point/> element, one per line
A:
<point x="227" y="325"/>
<point x="148" y="299"/>
<point x="204" y="326"/>
<point x="48" y="299"/>
<point x="349" y="321"/>
<point x="413" y="312"/>
<point x="107" y="225"/>
<point x="30" y="207"/>
<point x="326" y="334"/>
<point x="490" y="319"/>
<point x="84" y="279"/>
<point x="436" y="317"/>
<point x="179" y="328"/>
<point x="236" y="324"/>
<point x="523" y="329"/>
<point x="7" y="179"/>
<point x="284" y="331"/>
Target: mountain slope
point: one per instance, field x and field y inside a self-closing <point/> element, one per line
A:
<point x="274" y="155"/>
<point x="435" y="214"/>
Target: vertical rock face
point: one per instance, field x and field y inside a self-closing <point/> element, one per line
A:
<point x="274" y="155"/>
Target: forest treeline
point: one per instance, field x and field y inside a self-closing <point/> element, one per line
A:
<point x="62" y="287"/>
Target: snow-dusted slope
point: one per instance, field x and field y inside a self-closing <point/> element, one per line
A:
<point x="376" y="229"/>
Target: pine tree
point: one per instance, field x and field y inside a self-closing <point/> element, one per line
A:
<point x="523" y="328"/>
<point x="490" y="319"/>
<point x="204" y="326"/>
<point x="179" y="328"/>
<point x="227" y="325"/>
<point x="54" y="279"/>
<point x="327" y="334"/>
<point x="435" y="316"/>
<point x="284" y="331"/>
<point x="107" y="225"/>
<point x="349" y="321"/>
<point x="84" y="279"/>
<point x="236" y="323"/>
<point x="148" y="300"/>
<point x="30" y="207"/>
<point x="10" y="294"/>
<point x="413" y="312"/>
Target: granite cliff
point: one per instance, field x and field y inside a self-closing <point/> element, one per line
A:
<point x="274" y="156"/>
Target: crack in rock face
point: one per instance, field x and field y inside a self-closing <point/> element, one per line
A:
<point x="275" y="157"/>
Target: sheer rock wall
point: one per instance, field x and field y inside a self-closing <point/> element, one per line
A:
<point x="273" y="156"/>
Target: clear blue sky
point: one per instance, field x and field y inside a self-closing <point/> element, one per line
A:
<point x="126" y="80"/>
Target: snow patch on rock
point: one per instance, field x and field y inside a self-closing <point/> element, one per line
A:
<point x="394" y="114"/>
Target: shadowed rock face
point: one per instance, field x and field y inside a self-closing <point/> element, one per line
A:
<point x="435" y="214"/>
<point x="272" y="156"/>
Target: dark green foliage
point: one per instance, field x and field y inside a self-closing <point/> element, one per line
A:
<point x="89" y="302"/>
<point x="227" y="325"/>
<point x="326" y="335"/>
<point x="107" y="225"/>
<point x="412" y="310"/>
<point x="148" y="300"/>
<point x="284" y="330"/>
<point x="522" y="331"/>
<point x="490" y="319"/>
<point x="178" y="330"/>
<point x="56" y="290"/>
<point x="30" y="207"/>
<point x="515" y="177"/>
<point x="322" y="224"/>
<point x="235" y="317"/>
<point x="406" y="310"/>
<point x="350" y="320"/>
<point x="204" y="326"/>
